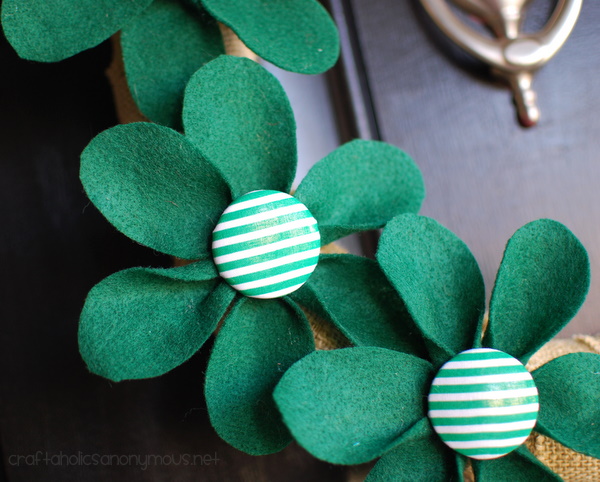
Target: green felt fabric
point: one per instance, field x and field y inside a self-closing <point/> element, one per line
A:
<point x="419" y="457"/>
<point x="542" y="281"/>
<point x="52" y="30"/>
<point x="439" y="280"/>
<point x="219" y="303"/>
<point x="202" y="270"/>
<point x="350" y="406"/>
<point x="569" y="389"/>
<point x="162" y="48"/>
<point x="153" y="185"/>
<point x="518" y="466"/>
<point x="361" y="186"/>
<point x="239" y="116"/>
<point x="139" y="324"/>
<point x="259" y="340"/>
<point x="461" y="466"/>
<point x="295" y="35"/>
<point x="353" y="294"/>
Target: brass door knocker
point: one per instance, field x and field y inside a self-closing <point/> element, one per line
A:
<point x="512" y="54"/>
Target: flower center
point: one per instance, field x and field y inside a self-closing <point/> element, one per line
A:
<point x="483" y="403"/>
<point x="266" y="244"/>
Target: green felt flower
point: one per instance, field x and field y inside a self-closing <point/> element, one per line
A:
<point x="166" y="41"/>
<point x="169" y="192"/>
<point x="354" y="405"/>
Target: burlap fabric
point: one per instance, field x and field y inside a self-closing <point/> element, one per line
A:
<point x="570" y="465"/>
<point x="327" y="337"/>
<point x="125" y="106"/>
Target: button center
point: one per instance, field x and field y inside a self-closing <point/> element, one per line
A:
<point x="266" y="244"/>
<point x="483" y="403"/>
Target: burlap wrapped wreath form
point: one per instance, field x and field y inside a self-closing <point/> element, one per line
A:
<point x="570" y="465"/>
<point x="125" y="106"/>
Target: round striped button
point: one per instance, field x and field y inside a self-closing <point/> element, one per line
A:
<point x="483" y="403"/>
<point x="266" y="244"/>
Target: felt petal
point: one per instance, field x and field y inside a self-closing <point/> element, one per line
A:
<point x="569" y="389"/>
<point x="542" y="281"/>
<point x="419" y="456"/>
<point x="517" y="466"/>
<point x="52" y="30"/>
<point x="155" y="187"/>
<point x="439" y="280"/>
<point x="352" y="293"/>
<point x="350" y="406"/>
<point x="139" y="324"/>
<point x="299" y="36"/>
<point x="461" y="466"/>
<point x="162" y="48"/>
<point x="202" y="270"/>
<point x="239" y="116"/>
<point x="360" y="186"/>
<point x="259" y="340"/>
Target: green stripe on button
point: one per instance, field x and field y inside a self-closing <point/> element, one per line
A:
<point x="483" y="403"/>
<point x="266" y="244"/>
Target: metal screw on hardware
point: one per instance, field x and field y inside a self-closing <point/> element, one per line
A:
<point x="512" y="54"/>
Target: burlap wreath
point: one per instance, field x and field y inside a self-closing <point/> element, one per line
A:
<point x="570" y="465"/>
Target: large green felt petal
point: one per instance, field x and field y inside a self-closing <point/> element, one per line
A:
<point x="353" y="294"/>
<point x="569" y="389"/>
<point x="153" y="185"/>
<point x="259" y="340"/>
<point x="350" y="406"/>
<point x="239" y="116"/>
<point x="360" y="186"/>
<point x="542" y="281"/>
<point x="419" y="457"/>
<point x="139" y="324"/>
<point x="295" y="35"/>
<point x="162" y="48"/>
<point x="518" y="466"/>
<point x="202" y="270"/>
<point x="439" y="280"/>
<point x="52" y="30"/>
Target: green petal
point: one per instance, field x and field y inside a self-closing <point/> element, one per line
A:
<point x="518" y="466"/>
<point x="461" y="466"/>
<point x="162" y="48"/>
<point x="299" y="36"/>
<point x="542" y="281"/>
<point x="360" y="186"/>
<point x="419" y="456"/>
<point x="350" y="406"/>
<point x="352" y="293"/>
<point x="139" y="324"/>
<point x="569" y="389"/>
<point x="259" y="340"/>
<point x="439" y="280"/>
<point x="239" y="116"/>
<point x="52" y="30"/>
<point x="202" y="270"/>
<point x="155" y="187"/>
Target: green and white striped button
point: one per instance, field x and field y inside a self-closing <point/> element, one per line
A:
<point x="266" y="244"/>
<point x="483" y="403"/>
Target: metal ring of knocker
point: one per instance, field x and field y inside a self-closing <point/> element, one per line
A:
<point x="512" y="55"/>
